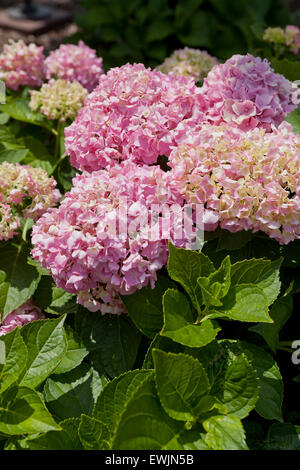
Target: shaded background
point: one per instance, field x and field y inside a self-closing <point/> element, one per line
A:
<point x="148" y="31"/>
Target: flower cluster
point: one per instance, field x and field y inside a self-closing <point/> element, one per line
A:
<point x="290" y="37"/>
<point x="98" y="243"/>
<point x="134" y="113"/>
<point x="22" y="65"/>
<point x="245" y="92"/>
<point x="28" y="312"/>
<point x="58" y="99"/>
<point x="9" y="223"/>
<point x="28" y="191"/>
<point x="75" y="63"/>
<point x="189" y="62"/>
<point x="248" y="181"/>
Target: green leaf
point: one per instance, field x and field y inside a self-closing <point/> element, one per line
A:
<point x="294" y="119"/>
<point x="113" y="400"/>
<point x="179" y="322"/>
<point x="222" y="276"/>
<point x="233" y="241"/>
<point x="18" y="280"/>
<point x="289" y="68"/>
<point x="188" y="440"/>
<point x="23" y="412"/>
<point x="75" y="353"/>
<point x="209" y="293"/>
<point x="93" y="434"/>
<point x="263" y="273"/>
<point x="185" y="267"/>
<point x="14" y="360"/>
<point x="145" y="306"/>
<point x="270" y="382"/>
<point x="144" y="425"/>
<point x="181" y="381"/>
<point x="66" y="439"/>
<point x="47" y="345"/>
<point x="280" y="312"/>
<point x="73" y="393"/>
<point x="112" y="339"/>
<point x="283" y="437"/>
<point x="245" y="302"/>
<point x="224" y="433"/>
<point x="241" y="390"/>
<point x="18" y="109"/>
<point x="13" y="156"/>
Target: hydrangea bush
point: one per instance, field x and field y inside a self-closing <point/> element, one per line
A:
<point x="149" y="243"/>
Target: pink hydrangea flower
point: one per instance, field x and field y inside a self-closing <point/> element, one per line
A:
<point x="22" y="65"/>
<point x="27" y="313"/>
<point x="9" y="223"/>
<point x="246" y="180"/>
<point x="75" y="63"/>
<point x="292" y="38"/>
<point x="134" y="113"/>
<point x="24" y="192"/>
<point x="189" y="62"/>
<point x="98" y="244"/>
<point x="245" y="92"/>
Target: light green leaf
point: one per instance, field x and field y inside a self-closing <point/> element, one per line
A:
<point x="294" y="119"/>
<point x="224" y="433"/>
<point x="181" y="382"/>
<point x="18" y="109"/>
<point x="244" y="302"/>
<point x="13" y="156"/>
<point x="73" y="393"/>
<point x="75" y="353"/>
<point x="179" y="322"/>
<point x="14" y="360"/>
<point x="18" y="280"/>
<point x="185" y="267"/>
<point x="23" y="412"/>
<point x="47" y="345"/>
<point x="263" y="273"/>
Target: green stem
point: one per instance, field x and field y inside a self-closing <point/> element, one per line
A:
<point x="57" y="141"/>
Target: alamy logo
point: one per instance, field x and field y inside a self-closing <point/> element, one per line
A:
<point x="2" y="92"/>
<point x="296" y="354"/>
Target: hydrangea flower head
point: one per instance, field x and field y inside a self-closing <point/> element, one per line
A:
<point x="27" y="313"/>
<point x="22" y="65"/>
<point x="189" y="62"/>
<point x="24" y="192"/>
<point x="292" y="38"/>
<point x="274" y="35"/>
<point x="247" y="180"/>
<point x="9" y="223"/>
<point x="77" y="242"/>
<point x="75" y="63"/>
<point x="245" y="92"/>
<point x="134" y="113"/>
<point x="58" y="99"/>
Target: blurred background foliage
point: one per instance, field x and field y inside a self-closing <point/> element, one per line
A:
<point x="148" y="31"/>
